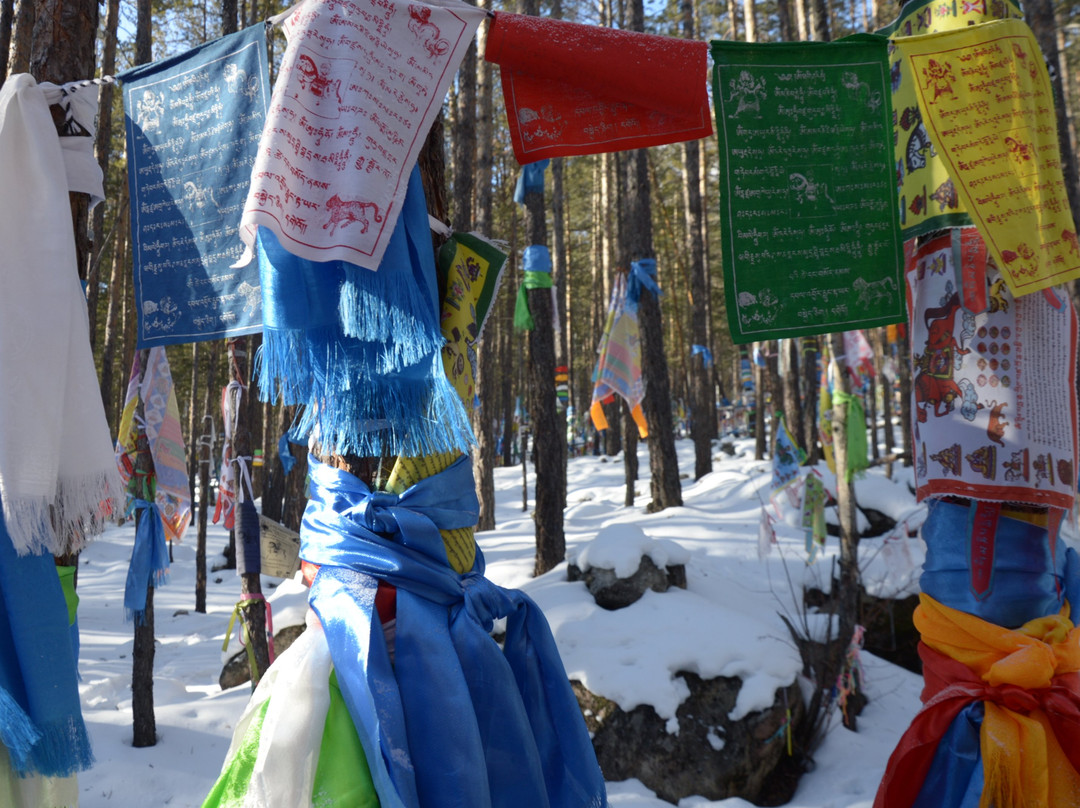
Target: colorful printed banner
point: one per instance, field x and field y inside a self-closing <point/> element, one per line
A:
<point x="808" y="200"/>
<point x="987" y="103"/>
<point x="928" y="197"/>
<point x="193" y="123"/>
<point x="787" y="457"/>
<point x="573" y="89"/>
<point x="993" y="394"/>
<point x="470" y="271"/>
<point x="618" y="370"/>
<point x="360" y="84"/>
<point x="166" y="440"/>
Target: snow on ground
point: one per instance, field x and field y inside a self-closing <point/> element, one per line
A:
<point x="726" y="623"/>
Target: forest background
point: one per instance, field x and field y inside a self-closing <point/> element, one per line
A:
<point x="589" y="205"/>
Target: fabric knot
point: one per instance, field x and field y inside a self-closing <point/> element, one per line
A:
<point x="1012" y="698"/>
<point x="374" y="509"/>
<point x="485" y="601"/>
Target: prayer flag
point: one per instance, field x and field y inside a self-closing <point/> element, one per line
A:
<point x="994" y="393"/>
<point x="808" y="199"/>
<point x="813" y="514"/>
<point x="193" y="124"/>
<point x="573" y="89"/>
<point x="618" y="370"/>
<point x="787" y="457"/>
<point x="470" y="270"/>
<point x="928" y="197"/>
<point x="359" y="87"/>
<point x="986" y="99"/>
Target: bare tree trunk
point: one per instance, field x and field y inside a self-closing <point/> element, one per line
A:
<point x="113" y="313"/>
<point x="789" y="377"/>
<point x="903" y="369"/>
<point x="228" y="17"/>
<point x="761" y="408"/>
<point x="548" y="427"/>
<point x="7" y="23"/>
<point x="788" y="26"/>
<point x="103" y="149"/>
<point x="22" y="32"/>
<point x="144" y="723"/>
<point x="750" y="20"/>
<point x="630" y="463"/>
<point x="702" y="393"/>
<point x="204" y="450"/>
<point x="663" y="462"/>
<point x="254" y="612"/>
<point x="811" y="385"/>
<point x="847" y="594"/>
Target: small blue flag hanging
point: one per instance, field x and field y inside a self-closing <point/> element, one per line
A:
<point x="193" y="123"/>
<point x="787" y="457"/>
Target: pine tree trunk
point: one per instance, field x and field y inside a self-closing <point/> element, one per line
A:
<point x="793" y="405"/>
<point x="7" y="23"/>
<point x="22" y="32"/>
<point x="811" y="386"/>
<point x="254" y="612"/>
<point x="548" y="427"/>
<point x="486" y="352"/>
<point x="204" y="451"/>
<point x="103" y="150"/>
<point x="630" y="462"/>
<point x="144" y="723"/>
<point x="847" y="594"/>
<point x="113" y="313"/>
<point x="228" y="17"/>
<point x="702" y="393"/>
<point x="663" y="462"/>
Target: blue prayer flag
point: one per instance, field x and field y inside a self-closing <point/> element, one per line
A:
<point x="193" y="123"/>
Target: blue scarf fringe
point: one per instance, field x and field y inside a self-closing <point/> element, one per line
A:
<point x="360" y="351"/>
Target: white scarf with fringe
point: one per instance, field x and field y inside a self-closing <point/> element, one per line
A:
<point x="58" y="477"/>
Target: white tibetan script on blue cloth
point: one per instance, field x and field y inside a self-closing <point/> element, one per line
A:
<point x="193" y="123"/>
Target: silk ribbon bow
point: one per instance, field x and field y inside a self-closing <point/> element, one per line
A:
<point x="454" y="720"/>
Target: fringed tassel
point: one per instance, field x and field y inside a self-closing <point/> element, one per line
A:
<point x="29" y="524"/>
<point x="62" y="750"/>
<point x="84" y="506"/>
<point x="17" y="731"/>
<point x="378" y="307"/>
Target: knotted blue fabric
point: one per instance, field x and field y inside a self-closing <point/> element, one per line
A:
<point x="530" y="179"/>
<point x="149" y="561"/>
<point x="642" y="276"/>
<point x="455" y="721"/>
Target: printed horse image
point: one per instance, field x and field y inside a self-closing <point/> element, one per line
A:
<point x="934" y="384"/>
<point x="345" y="211"/>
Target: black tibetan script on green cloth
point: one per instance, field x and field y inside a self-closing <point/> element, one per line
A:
<point x="808" y="201"/>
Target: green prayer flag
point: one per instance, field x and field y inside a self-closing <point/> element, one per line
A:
<point x="809" y="209"/>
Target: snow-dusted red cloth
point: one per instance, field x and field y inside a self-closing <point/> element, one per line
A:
<point x="573" y="89"/>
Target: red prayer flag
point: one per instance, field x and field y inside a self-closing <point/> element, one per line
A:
<point x="573" y="89"/>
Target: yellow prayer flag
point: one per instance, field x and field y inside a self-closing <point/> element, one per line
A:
<point x="985" y="98"/>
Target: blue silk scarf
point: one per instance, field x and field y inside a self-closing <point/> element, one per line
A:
<point x="41" y="721"/>
<point x="149" y="561"/>
<point x="455" y="720"/>
<point x="361" y="351"/>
